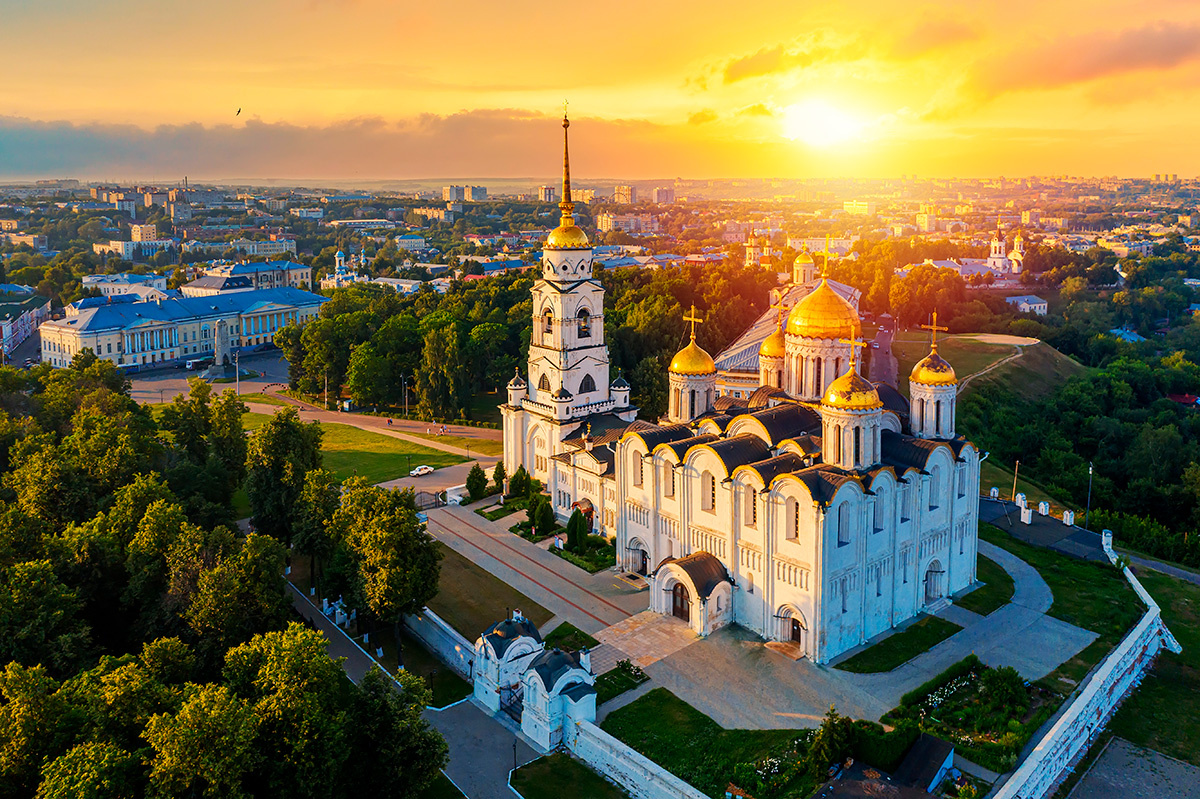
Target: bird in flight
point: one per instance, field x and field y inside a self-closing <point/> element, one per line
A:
<point x="239" y="113"/>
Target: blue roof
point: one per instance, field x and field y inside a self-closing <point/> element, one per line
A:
<point x="125" y="316"/>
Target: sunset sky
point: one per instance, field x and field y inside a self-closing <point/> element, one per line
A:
<point x="381" y="89"/>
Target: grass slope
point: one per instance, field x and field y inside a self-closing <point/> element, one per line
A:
<point x="965" y="354"/>
<point x="559" y="775"/>
<point x="1039" y="371"/>
<point x="471" y="599"/>
<point x="991" y="473"/>
<point x="477" y="446"/>
<point x="899" y="648"/>
<point x="995" y="593"/>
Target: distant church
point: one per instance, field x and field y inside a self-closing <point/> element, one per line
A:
<point x="813" y="507"/>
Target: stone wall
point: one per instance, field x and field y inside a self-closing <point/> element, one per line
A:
<point x="1068" y="740"/>
<point x="634" y="772"/>
<point x="442" y="640"/>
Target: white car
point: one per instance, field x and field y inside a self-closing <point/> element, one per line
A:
<point x="421" y="471"/>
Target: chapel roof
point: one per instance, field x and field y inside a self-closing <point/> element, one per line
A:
<point x="771" y="468"/>
<point x="550" y="664"/>
<point x="823" y="481"/>
<point x="504" y="634"/>
<point x="764" y="394"/>
<point x="906" y="452"/>
<point x="705" y="571"/>
<point x="652" y="434"/>
<point x="787" y="421"/>
<point x="681" y="446"/>
<point x="739" y="450"/>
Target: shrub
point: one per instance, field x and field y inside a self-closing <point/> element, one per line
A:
<point x="883" y="750"/>
<point x="917" y="695"/>
<point x="544" y="520"/>
<point x="576" y="532"/>
<point x="498" y="475"/>
<point x="476" y="483"/>
<point x="518" y="486"/>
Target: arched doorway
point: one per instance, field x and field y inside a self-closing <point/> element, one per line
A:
<point x="639" y="558"/>
<point x="792" y="628"/>
<point x="933" y="582"/>
<point x="681" y="603"/>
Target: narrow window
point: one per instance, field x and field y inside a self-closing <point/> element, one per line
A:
<point x="587" y="384"/>
<point x="879" y="580"/>
<point x="818" y="386"/>
<point x="937" y="417"/>
<point x="837" y="443"/>
<point x="845" y="606"/>
<point x="668" y="480"/>
<point x="585" y="323"/>
<point x="544" y="383"/>
<point x="904" y="565"/>
<point x="843" y="523"/>
<point x="858" y="458"/>
<point x="793" y="519"/>
<point x="921" y="414"/>
<point x="692" y="404"/>
<point x="749" y="582"/>
<point x="637" y="470"/>
<point x="750" y="511"/>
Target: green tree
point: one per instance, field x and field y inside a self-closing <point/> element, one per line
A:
<point x="319" y="500"/>
<point x="440" y="379"/>
<point x="546" y="521"/>
<point x="279" y="456"/>
<point x="39" y="620"/>
<point x="227" y="437"/>
<point x="576" y="531"/>
<point x="207" y="748"/>
<point x="369" y="379"/>
<point x="31" y="726"/>
<point x="394" y="750"/>
<point x="499" y="475"/>
<point x="830" y="744"/>
<point x="90" y="770"/>
<point x="189" y="418"/>
<point x="476" y="482"/>
<point x="518" y="486"/>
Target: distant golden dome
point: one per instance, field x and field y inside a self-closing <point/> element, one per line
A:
<point x="692" y="360"/>
<point x="823" y="314"/>
<point x="851" y="391"/>
<point x="805" y="257"/>
<point x="933" y="370"/>
<point x="774" y="344"/>
<point x="567" y="237"/>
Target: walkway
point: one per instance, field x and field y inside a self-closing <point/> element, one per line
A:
<point x="591" y="602"/>
<point x="1126" y="771"/>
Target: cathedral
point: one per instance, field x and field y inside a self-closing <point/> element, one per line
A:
<point x="814" y="508"/>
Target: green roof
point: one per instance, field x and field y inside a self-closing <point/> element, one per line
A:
<point x="13" y="305"/>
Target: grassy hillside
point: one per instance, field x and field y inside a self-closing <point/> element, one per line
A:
<point x="964" y="353"/>
<point x="1035" y="375"/>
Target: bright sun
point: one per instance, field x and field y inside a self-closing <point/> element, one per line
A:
<point x="819" y="124"/>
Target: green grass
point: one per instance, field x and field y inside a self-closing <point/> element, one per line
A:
<point x="252" y="421"/>
<point x="477" y="446"/>
<point x="598" y="556"/>
<point x="558" y="775"/>
<point x="470" y="599"/>
<point x="993" y="474"/>
<point x="615" y="682"/>
<point x="899" y="648"/>
<point x="447" y="686"/>
<point x="965" y="354"/>
<point x="349" y="451"/>
<point x="241" y="504"/>
<point x="996" y="591"/>
<point x="568" y="636"/>
<point x="1090" y="595"/>
<point x="263" y="399"/>
<point x="1164" y="714"/>
<point x="485" y="407"/>
<point x="441" y="788"/>
<point x="689" y="744"/>
<point x="500" y="511"/>
<point x="1037" y="374"/>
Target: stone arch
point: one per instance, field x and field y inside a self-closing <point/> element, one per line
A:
<point x="544" y="382"/>
<point x="934" y="582"/>
<point x="583" y="320"/>
<point x="587" y="384"/>
<point x="791" y="625"/>
<point x="638" y="555"/>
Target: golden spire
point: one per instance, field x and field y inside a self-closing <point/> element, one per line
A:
<point x="933" y="328"/>
<point x="855" y="344"/>
<point x="566" y="205"/>
<point x="825" y="266"/>
<point x="779" y="306"/>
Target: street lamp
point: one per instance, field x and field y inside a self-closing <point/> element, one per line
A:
<point x="1087" y="513"/>
<point x="237" y="373"/>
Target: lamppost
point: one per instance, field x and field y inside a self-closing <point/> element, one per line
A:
<point x="1087" y="513"/>
<point x="404" y="385"/>
<point x="237" y="373"/>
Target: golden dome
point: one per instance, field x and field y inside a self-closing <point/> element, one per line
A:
<point x="567" y="237"/>
<point x="823" y="314"/>
<point x="933" y="370"/>
<point x="692" y="360"/>
<point x="805" y="257"/>
<point x="851" y="391"/>
<point x="773" y="345"/>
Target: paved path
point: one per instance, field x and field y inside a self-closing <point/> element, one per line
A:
<point x="591" y="602"/>
<point x="1126" y="771"/>
<point x="1177" y="572"/>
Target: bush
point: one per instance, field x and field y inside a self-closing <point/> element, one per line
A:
<point x="883" y="750"/>
<point x="917" y="695"/>
<point x="576" y="531"/>
<point x="498" y="475"/>
<point x="518" y="486"/>
<point x="476" y="483"/>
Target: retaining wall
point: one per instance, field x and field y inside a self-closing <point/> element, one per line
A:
<point x="641" y="777"/>
<point x="443" y="640"/>
<point x="1068" y="740"/>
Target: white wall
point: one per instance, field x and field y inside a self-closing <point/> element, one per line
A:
<point x="634" y="772"/>
<point x="442" y="640"/>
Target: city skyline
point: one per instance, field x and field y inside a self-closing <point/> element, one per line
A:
<point x="363" y="89"/>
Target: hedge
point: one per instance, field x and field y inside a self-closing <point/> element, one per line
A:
<point x="952" y="672"/>
<point x="883" y="750"/>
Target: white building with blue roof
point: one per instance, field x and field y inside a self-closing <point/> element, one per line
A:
<point x="144" y="334"/>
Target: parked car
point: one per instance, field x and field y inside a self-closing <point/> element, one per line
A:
<point x="421" y="471"/>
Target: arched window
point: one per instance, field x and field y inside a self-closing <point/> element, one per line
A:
<point x="837" y="366"/>
<point x="818" y="386"/>
<point x="792" y="522"/>
<point x="708" y="491"/>
<point x="935" y="487"/>
<point x="751" y="506"/>
<point x="585" y="323"/>
<point x="668" y="479"/>
<point x="837" y="443"/>
<point x="544" y="383"/>
<point x="547" y="322"/>
<point x="858" y="458"/>
<point x="587" y="384"/>
<point x="937" y="417"/>
<point x="749" y="582"/>
<point x="843" y="524"/>
<point x="637" y="469"/>
<point x="921" y="415"/>
<point x="692" y="404"/>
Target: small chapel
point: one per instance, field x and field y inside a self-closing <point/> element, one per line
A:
<point x="815" y="508"/>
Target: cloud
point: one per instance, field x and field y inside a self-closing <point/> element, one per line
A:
<point x="935" y="34"/>
<point x="702" y="117"/>
<point x="785" y="58"/>
<point x="1085" y="58"/>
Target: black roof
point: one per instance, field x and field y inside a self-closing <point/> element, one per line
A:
<point x="578" y="691"/>
<point x="727" y="402"/>
<point x="923" y="761"/>
<point x="788" y="421"/>
<point x="893" y="401"/>
<point x="603" y="428"/>
<point x="705" y="570"/>
<point x="552" y="664"/>
<point x="780" y="464"/>
<point x="681" y="447"/>
<point x="762" y="396"/>
<point x="824" y="481"/>
<point x="652" y="434"/>
<point x="721" y="420"/>
<point x="502" y="634"/>
<point x="905" y="452"/>
<point x="740" y="450"/>
<point x="810" y="445"/>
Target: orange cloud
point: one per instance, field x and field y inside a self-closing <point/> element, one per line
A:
<point x="781" y="58"/>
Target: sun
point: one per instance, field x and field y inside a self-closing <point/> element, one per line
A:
<point x="819" y="124"/>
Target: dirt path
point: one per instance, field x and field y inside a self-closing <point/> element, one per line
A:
<point x="1018" y="350"/>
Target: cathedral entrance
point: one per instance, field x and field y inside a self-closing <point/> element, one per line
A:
<point x="681" y="602"/>
<point x="797" y="632"/>
<point x="933" y="582"/>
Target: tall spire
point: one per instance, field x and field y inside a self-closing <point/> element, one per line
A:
<point x="566" y="205"/>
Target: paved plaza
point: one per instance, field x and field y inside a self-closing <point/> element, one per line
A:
<point x="648" y="637"/>
<point x="1126" y="771"/>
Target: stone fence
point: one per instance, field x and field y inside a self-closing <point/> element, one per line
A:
<point x="443" y="640"/>
<point x="1121" y="672"/>
<point x="641" y="777"/>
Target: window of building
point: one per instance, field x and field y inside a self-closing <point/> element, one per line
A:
<point x="879" y="580"/>
<point x="637" y="469"/>
<point x="547" y="323"/>
<point x="904" y="565"/>
<point x="544" y="383"/>
<point x="837" y="443"/>
<point x="585" y="323"/>
<point x="962" y="482"/>
<point x="937" y="417"/>
<point x="902" y="501"/>
<point x="792" y="524"/>
<point x="845" y="603"/>
<point x="749" y="582"/>
<point x="751" y="510"/>
<point x="935" y="487"/>
<point x="843" y="524"/>
<point x="858" y="457"/>
<point x="708" y="491"/>
<point x="587" y="384"/>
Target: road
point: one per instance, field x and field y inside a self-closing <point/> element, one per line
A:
<point x="884" y="366"/>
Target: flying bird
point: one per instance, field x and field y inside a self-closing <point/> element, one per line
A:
<point x="239" y="113"/>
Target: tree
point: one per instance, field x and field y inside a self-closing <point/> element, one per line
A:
<point x="830" y="744"/>
<point x="227" y="436"/>
<point x="189" y="417"/>
<point x="545" y="518"/>
<point x="369" y="378"/>
<point x="279" y="456"/>
<point x="576" y="531"/>
<point x="518" y="486"/>
<point x="499" y="475"/>
<point x="440" y="378"/>
<point x="90" y="770"/>
<point x="31" y="726"/>
<point x="476" y="482"/>
<point x="39" y="618"/>
<point x="319" y="500"/>
<point x="207" y="748"/>
<point x="394" y="750"/>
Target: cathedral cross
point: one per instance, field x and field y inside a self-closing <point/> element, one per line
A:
<point x="933" y="328"/>
<point x="780" y="307"/>
<point x="825" y="267"/>
<point x="693" y="319"/>
<point x="855" y="345"/>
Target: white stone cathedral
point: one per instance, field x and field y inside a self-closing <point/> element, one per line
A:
<point x="818" y="510"/>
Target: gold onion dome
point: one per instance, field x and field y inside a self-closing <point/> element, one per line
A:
<point x="823" y="314"/>
<point x="805" y="257"/>
<point x="933" y="370"/>
<point x="568" y="235"/>
<point x="774" y="345"/>
<point x="853" y="392"/>
<point x="692" y="360"/>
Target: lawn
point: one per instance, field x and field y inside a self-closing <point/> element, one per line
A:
<point x="1090" y="595"/>
<point x="447" y="686"/>
<point x="692" y="746"/>
<point x="442" y="788"/>
<point x="1164" y="714"/>
<point x="995" y="593"/>
<point x="964" y="353"/>
<point x="263" y="399"/>
<point x="993" y="474"/>
<point x="615" y="682"/>
<point x="597" y="555"/>
<point x="478" y="446"/>
<point x="503" y="509"/>
<point x="241" y="504"/>
<point x="558" y="775"/>
<point x="470" y="599"/>
<point x="252" y="421"/>
<point x="349" y="451"/>
<point x="568" y="636"/>
<point x="899" y="648"/>
<point x="1039" y="371"/>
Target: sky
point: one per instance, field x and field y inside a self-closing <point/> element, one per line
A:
<point x="392" y="89"/>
